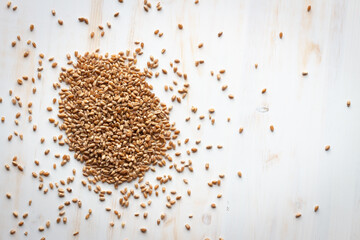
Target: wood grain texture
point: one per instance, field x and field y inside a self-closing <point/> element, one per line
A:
<point x="283" y="172"/>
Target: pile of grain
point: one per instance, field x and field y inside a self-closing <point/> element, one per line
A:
<point x="112" y="120"/>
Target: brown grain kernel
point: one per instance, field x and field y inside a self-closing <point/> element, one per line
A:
<point x="26" y="54"/>
<point x="180" y="26"/>
<point x="280" y="35"/>
<point x="239" y="174"/>
<point x="60" y="22"/>
<point x="143" y="230"/>
<point x="220" y="34"/>
<point x="13" y="44"/>
<point x="327" y="147"/>
<point x="12" y="231"/>
<point x="231" y="96"/>
<point x="15" y="214"/>
<point x="304" y="73"/>
<point x="348" y="103"/>
<point x="256" y="65"/>
<point x="213" y="205"/>
<point x="116" y="14"/>
<point x="187" y="226"/>
<point x="75" y="233"/>
<point x="200" y="45"/>
<point x="207" y="166"/>
<point x="241" y="130"/>
<point x="31" y="27"/>
<point x="263" y="91"/>
<point x="309" y="8"/>
<point x="271" y="128"/>
<point x="297" y="215"/>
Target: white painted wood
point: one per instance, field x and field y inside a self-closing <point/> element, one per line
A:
<point x="284" y="172"/>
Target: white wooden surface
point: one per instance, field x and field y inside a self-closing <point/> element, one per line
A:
<point x="284" y="172"/>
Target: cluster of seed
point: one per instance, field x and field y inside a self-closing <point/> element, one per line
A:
<point x="113" y="121"/>
<point x="147" y="6"/>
